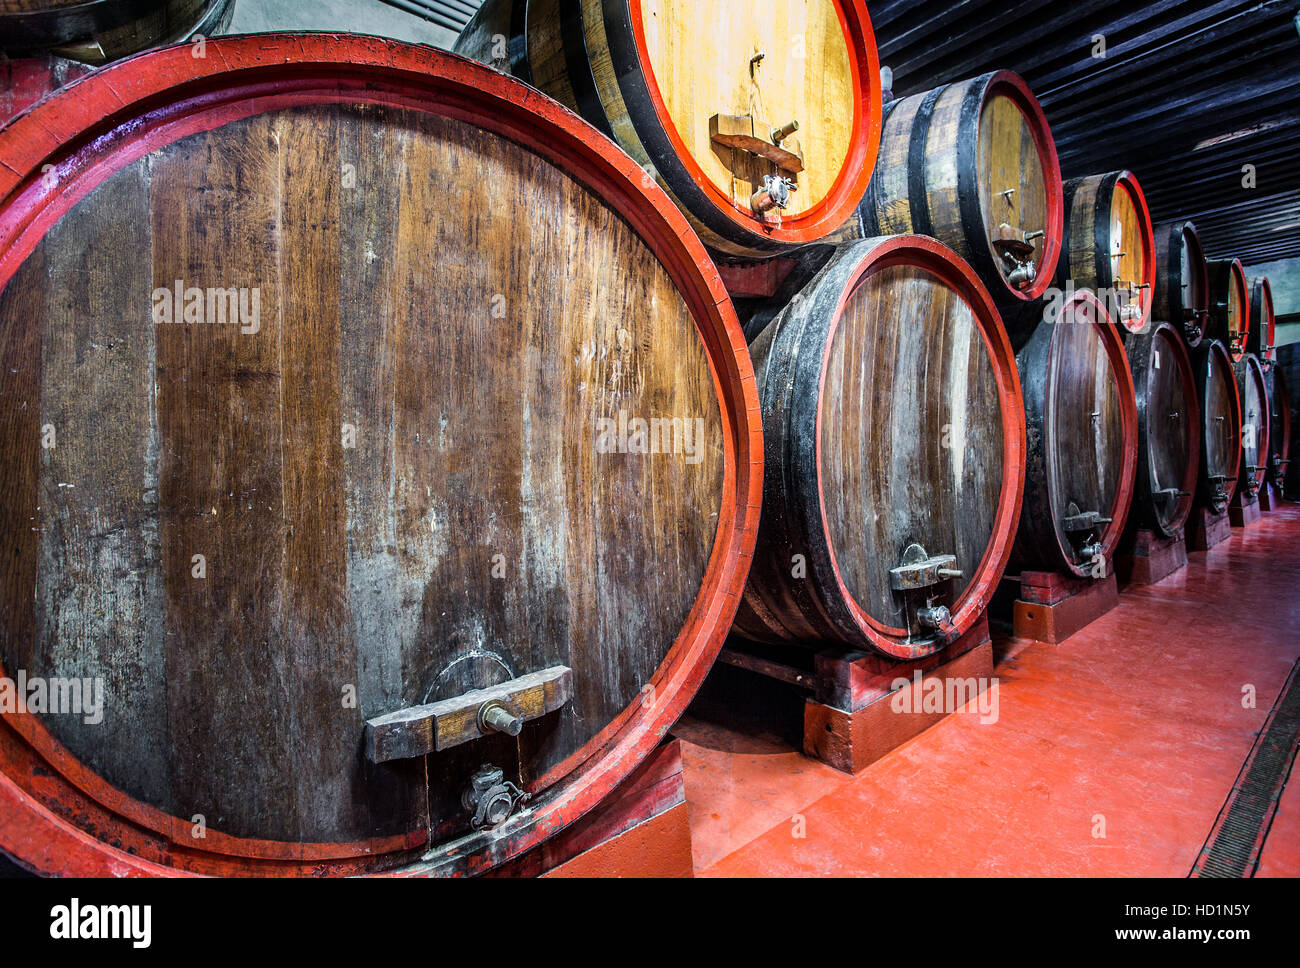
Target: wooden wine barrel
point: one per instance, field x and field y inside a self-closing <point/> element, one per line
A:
<point x="99" y="31"/>
<point x="1182" y="291"/>
<point x="1220" y="460"/>
<point x="511" y="448"/>
<point x="1229" y="319"/>
<point x="895" y="439"/>
<point x="1279" y="427"/>
<point x="973" y="164"/>
<point x="1252" y="391"/>
<point x="1108" y="245"/>
<point x="1169" y="431"/>
<point x="1081" y="416"/>
<point x="707" y="97"/>
<point x="1261" y="336"/>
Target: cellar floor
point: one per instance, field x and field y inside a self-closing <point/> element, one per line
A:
<point x="1112" y="753"/>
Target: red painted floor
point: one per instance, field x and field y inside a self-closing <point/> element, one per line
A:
<point x="1111" y="755"/>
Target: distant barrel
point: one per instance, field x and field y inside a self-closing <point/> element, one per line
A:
<point x="1220" y="462"/>
<point x="1169" y="429"/>
<point x="1108" y="245"/>
<point x="1081" y="418"/>
<point x="895" y="438"/>
<point x="1279" y="427"/>
<point x="1229" y="319"/>
<point x="761" y="121"/>
<point x="1253" y="393"/>
<point x="974" y="165"/>
<point x="1261" y="337"/>
<point x="1182" y="291"/>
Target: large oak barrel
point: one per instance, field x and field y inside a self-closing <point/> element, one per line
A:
<point x="1229" y="319"/>
<point x="1169" y="430"/>
<point x="895" y="439"/>
<point x="973" y="164"/>
<point x="1279" y="427"/>
<point x="737" y="107"/>
<point x="1081" y="417"/>
<point x="1220" y="426"/>
<point x="345" y="379"/>
<point x="1252" y="391"/>
<point x="1182" y="291"/>
<point x="1263" y="323"/>
<point x="1108" y="245"/>
<point x="99" y="31"/>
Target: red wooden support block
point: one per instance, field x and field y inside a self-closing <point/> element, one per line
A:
<point x="1270" y="498"/>
<point x="1205" y="530"/>
<point x="1052" y="606"/>
<point x="641" y="830"/>
<point x="1243" y="512"/>
<point x="1151" y="558"/>
<point x="852" y="721"/>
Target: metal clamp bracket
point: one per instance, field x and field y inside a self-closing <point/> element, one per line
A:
<point x="921" y="570"/>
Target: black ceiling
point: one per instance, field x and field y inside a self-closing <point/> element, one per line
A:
<point x="1186" y="95"/>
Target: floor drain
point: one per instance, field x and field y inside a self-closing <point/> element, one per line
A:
<point x="1234" y="845"/>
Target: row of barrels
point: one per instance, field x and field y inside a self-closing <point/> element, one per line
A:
<point x="519" y="446"/>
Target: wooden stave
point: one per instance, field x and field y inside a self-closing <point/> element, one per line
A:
<point x="1086" y="242"/>
<point x="265" y="65"/>
<point x="1212" y="360"/>
<point x="1249" y="374"/>
<point x="1226" y="275"/>
<point x="1279" y="430"/>
<point x="1171" y="240"/>
<point x="813" y="613"/>
<point x="1145" y="512"/>
<point x="1020" y="310"/>
<point x="577" y="39"/>
<point x="1261" y="336"/>
<point x="1038" y="544"/>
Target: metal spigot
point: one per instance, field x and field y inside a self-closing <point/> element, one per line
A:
<point x="775" y="193"/>
<point x="494" y="717"/>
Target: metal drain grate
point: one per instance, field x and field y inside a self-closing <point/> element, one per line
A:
<point x="1234" y="845"/>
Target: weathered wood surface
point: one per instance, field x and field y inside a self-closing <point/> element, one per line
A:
<point x="1182" y="290"/>
<point x="1252" y="391"/>
<point x="1169" y="434"/>
<point x="409" y="457"/>
<point x="891" y="418"/>
<point x="1081" y="415"/>
<point x="1229" y="319"/>
<point x="973" y="164"/>
<point x="1109" y="246"/>
<point x="1220" y="461"/>
<point x="653" y="74"/>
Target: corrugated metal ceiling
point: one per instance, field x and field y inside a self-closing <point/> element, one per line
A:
<point x="1185" y="96"/>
